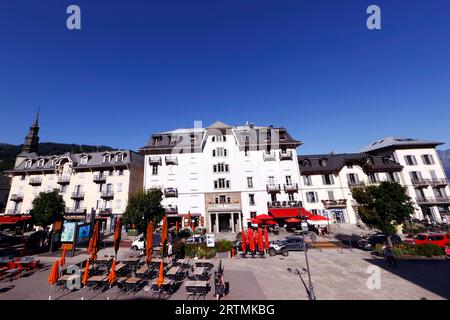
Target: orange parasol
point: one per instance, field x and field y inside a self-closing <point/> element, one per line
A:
<point x="161" y="274"/>
<point x="117" y="235"/>
<point x="54" y="274"/>
<point x="149" y="241"/>
<point x="251" y="239"/>
<point x="260" y="240"/>
<point x="94" y="242"/>
<point x="63" y="256"/>
<point x="189" y="220"/>
<point x="177" y="227"/>
<point x="86" y="273"/>
<point x="112" y="274"/>
<point x="266" y="238"/>
<point x="244" y="243"/>
<point x="91" y="243"/>
<point x="164" y="235"/>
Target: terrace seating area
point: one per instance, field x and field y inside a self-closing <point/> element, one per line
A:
<point x="13" y="268"/>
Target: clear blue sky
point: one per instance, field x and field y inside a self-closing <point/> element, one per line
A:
<point x="138" y="67"/>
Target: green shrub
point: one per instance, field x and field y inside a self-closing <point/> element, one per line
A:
<point x="378" y="249"/>
<point x="132" y="232"/>
<point x="200" y="250"/>
<point x="184" y="233"/>
<point x="428" y="250"/>
<point x="179" y="249"/>
<point x="224" y="246"/>
<point x="403" y="249"/>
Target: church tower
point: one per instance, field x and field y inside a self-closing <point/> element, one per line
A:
<point x="32" y="138"/>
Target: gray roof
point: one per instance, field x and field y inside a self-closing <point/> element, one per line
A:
<point x="94" y="160"/>
<point x="399" y="143"/>
<point x="333" y="163"/>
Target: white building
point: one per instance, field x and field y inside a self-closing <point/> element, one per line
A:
<point x="223" y="175"/>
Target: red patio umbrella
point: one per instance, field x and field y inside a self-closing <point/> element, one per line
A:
<point x="270" y="222"/>
<point x="244" y="243"/>
<point x="63" y="256"/>
<point x="266" y="238"/>
<point x="94" y="239"/>
<point x="149" y="242"/>
<point x="315" y="217"/>
<point x="161" y="274"/>
<point x="117" y="235"/>
<point x="264" y="217"/>
<point x="255" y="221"/>
<point x="260" y="240"/>
<point x="54" y="273"/>
<point x="293" y="220"/>
<point x="251" y="239"/>
<point x="86" y="273"/>
<point x="112" y="274"/>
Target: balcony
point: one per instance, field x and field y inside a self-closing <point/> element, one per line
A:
<point x="433" y="201"/>
<point x="17" y="197"/>
<point x="273" y="188"/>
<point x="284" y="204"/>
<point x="99" y="178"/>
<point x="63" y="180"/>
<point x="13" y="211"/>
<point x="171" y="209"/>
<point x="438" y="182"/>
<point x="152" y="160"/>
<point x="75" y="210"/>
<point x="228" y="206"/>
<point x="171" y="160"/>
<point x="77" y="195"/>
<point x="285" y="155"/>
<point x="269" y="156"/>
<point x="293" y="187"/>
<point x="335" y="204"/>
<point x="356" y="184"/>
<point x="420" y="182"/>
<point x="35" y="181"/>
<point x="105" y="211"/>
<point x="171" y="192"/>
<point x="107" y="195"/>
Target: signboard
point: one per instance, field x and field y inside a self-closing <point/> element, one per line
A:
<point x="210" y="242"/>
<point x="304" y="227"/>
<point x="84" y="232"/>
<point x="68" y="233"/>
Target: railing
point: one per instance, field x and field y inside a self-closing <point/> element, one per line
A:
<point x="17" y="197"/>
<point x="154" y="160"/>
<point x="433" y="200"/>
<point x="99" y="178"/>
<point x="420" y="182"/>
<point x="105" y="211"/>
<point x="63" y="180"/>
<point x="329" y="204"/>
<point x="13" y="211"/>
<point x="287" y="155"/>
<point x="107" y="194"/>
<point x="438" y="182"/>
<point x="293" y="187"/>
<point x="269" y="156"/>
<point x="228" y="206"/>
<point x="77" y="195"/>
<point x="273" y="188"/>
<point x="284" y="204"/>
<point x="171" y="192"/>
<point x="171" y="209"/>
<point x="356" y="184"/>
<point x="75" y="210"/>
<point x="35" y="181"/>
<point x="171" y="160"/>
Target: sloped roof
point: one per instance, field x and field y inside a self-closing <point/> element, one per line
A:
<point x="400" y="143"/>
<point x="219" y="125"/>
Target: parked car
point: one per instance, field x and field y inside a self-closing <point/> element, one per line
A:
<point x="138" y="244"/>
<point x="371" y="241"/>
<point x="284" y="245"/>
<point x="438" y="239"/>
<point x="196" y="239"/>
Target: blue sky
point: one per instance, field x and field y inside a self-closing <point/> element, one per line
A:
<point x="312" y="66"/>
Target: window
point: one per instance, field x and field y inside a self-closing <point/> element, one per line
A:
<point x="63" y="188"/>
<point x="120" y="172"/>
<point x="28" y="164"/>
<point x="250" y="182"/>
<point x="349" y="166"/>
<point x="415" y="176"/>
<point x="84" y="160"/>
<point x="98" y="204"/>
<point x="288" y="181"/>
<point x="251" y="199"/>
<point x="327" y="179"/>
<point x="119" y="158"/>
<point x="22" y="178"/>
<point x="221" y="184"/>
<point x="291" y="196"/>
<point x="220" y="152"/>
<point x="221" y="167"/>
<point x="352" y="178"/>
<point x="154" y="169"/>
<point x="393" y="176"/>
<point x="427" y="159"/>
<point x="118" y="203"/>
<point x="433" y="175"/>
<point x="410" y="160"/>
<point x="373" y="178"/>
<point x="53" y="162"/>
<point x="330" y="195"/>
<point x="40" y="163"/>
<point x="312" y="197"/>
<point x="252" y="214"/>
<point x="106" y="158"/>
<point x="307" y="180"/>
<point x="323" y="162"/>
<point x="119" y="187"/>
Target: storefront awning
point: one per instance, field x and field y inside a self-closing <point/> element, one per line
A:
<point x="286" y="213"/>
<point x="7" y="219"/>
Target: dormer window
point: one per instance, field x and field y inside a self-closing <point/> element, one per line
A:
<point x="306" y="163"/>
<point x="28" y="164"/>
<point x="84" y="159"/>
<point x="106" y="158"/>
<point x="53" y="162"/>
<point x="323" y="162"/>
<point x="119" y="157"/>
<point x="40" y="163"/>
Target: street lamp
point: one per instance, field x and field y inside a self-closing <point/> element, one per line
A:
<point x="310" y="288"/>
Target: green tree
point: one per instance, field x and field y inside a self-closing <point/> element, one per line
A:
<point x="383" y="207"/>
<point x="142" y="207"/>
<point x="48" y="207"/>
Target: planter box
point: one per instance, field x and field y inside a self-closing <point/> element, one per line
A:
<point x="223" y="255"/>
<point x="411" y="257"/>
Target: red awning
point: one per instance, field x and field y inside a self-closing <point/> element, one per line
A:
<point x="264" y="217"/>
<point x="6" y="219"/>
<point x="255" y="221"/>
<point x="315" y="217"/>
<point x="286" y="213"/>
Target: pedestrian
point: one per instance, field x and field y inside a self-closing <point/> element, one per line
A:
<point x="169" y="251"/>
<point x="313" y="237"/>
<point x="389" y="255"/>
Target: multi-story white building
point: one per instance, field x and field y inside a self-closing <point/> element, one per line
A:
<point x="93" y="185"/>
<point x="423" y="174"/>
<point x="223" y="175"/>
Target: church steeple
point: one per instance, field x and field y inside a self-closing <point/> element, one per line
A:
<point x="32" y="138"/>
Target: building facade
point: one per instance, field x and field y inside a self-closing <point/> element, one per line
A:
<point x="222" y="175"/>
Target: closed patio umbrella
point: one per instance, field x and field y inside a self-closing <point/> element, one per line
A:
<point x="266" y="238"/>
<point x="63" y="256"/>
<point x="86" y="273"/>
<point x="149" y="242"/>
<point x="54" y="273"/>
<point x="117" y="235"/>
<point x="190" y="221"/>
<point x="177" y="227"/>
<point x="94" y="239"/>
<point x="161" y="274"/>
<point x="260" y="240"/>
<point x="251" y="239"/>
<point x="244" y="242"/>
<point x="164" y="235"/>
<point x="112" y="274"/>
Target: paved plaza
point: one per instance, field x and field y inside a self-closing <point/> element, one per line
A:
<point x="335" y="275"/>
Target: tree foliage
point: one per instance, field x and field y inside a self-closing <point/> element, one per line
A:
<point x="48" y="207"/>
<point x="383" y="207"/>
<point x="142" y="207"/>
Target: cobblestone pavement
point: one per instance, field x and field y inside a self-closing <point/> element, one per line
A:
<point x="334" y="275"/>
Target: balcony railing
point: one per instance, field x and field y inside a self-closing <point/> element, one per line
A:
<point x="433" y="201"/>
<point x="13" y="211"/>
<point x="284" y="204"/>
<point x="77" y="195"/>
<point x="228" y="206"/>
<point x="269" y="156"/>
<point x="293" y="187"/>
<point x="286" y="155"/>
<point x="17" y="197"/>
<point x="35" y="181"/>
<point x="356" y="184"/>
<point x="420" y="182"/>
<point x="171" y="192"/>
<point x="154" y="160"/>
<point x="99" y="178"/>
<point x="331" y="204"/>
<point x="438" y="182"/>
<point x="273" y="188"/>
<point x="171" y="160"/>
<point x="107" y="194"/>
<point x="171" y="209"/>
<point x="105" y="211"/>
<point x="63" y="180"/>
<point x="75" y="210"/>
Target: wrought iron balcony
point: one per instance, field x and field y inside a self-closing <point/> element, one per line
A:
<point x="269" y="156"/>
<point x="284" y="204"/>
<point x="286" y="155"/>
<point x="335" y="204"/>
<point x="107" y="195"/>
<point x="35" y="181"/>
<point x="420" y="182"/>
<point x="99" y="178"/>
<point x="75" y="210"/>
<point x="17" y="197"/>
<point x="273" y="188"/>
<point x="433" y="201"/>
<point x="154" y="160"/>
<point x="77" y="195"/>
<point x="171" y="160"/>
<point x="105" y="211"/>
<point x="171" y="192"/>
<point x="293" y="187"/>
<point x="63" y="180"/>
<point x="438" y="182"/>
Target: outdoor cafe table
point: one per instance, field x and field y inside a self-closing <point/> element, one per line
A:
<point x="68" y="278"/>
<point x="173" y="272"/>
<point x="104" y="260"/>
<point x="203" y="263"/>
<point x="196" y="287"/>
<point x="183" y="262"/>
<point x="96" y="281"/>
<point x="142" y="270"/>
